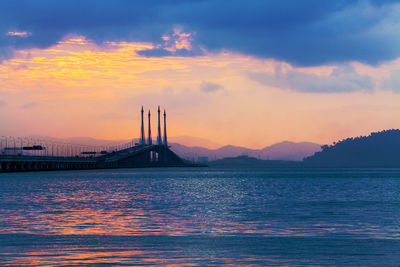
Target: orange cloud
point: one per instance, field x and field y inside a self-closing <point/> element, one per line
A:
<point x="77" y="84"/>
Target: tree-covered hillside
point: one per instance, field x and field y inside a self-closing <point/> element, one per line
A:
<point x="380" y="149"/>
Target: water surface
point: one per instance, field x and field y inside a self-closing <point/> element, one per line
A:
<point x="203" y="216"/>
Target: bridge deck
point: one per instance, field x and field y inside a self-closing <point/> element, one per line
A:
<point x="138" y="156"/>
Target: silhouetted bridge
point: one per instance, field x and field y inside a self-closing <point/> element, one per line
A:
<point x="142" y="154"/>
<point x="134" y="157"/>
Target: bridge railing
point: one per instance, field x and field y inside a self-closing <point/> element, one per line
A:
<point x="42" y="147"/>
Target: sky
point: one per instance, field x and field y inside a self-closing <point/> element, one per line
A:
<point x="247" y="73"/>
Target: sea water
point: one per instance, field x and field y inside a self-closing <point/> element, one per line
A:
<point x="201" y="216"/>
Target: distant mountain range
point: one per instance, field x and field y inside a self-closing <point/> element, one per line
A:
<point x="289" y="151"/>
<point x="184" y="147"/>
<point x="194" y="141"/>
<point x="379" y="149"/>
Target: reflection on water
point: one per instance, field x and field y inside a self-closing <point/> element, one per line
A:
<point x="91" y="250"/>
<point x="86" y="214"/>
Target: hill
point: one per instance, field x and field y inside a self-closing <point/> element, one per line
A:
<point x="289" y="151"/>
<point x="281" y="151"/>
<point x="250" y="161"/>
<point x="191" y="141"/>
<point x="379" y="149"/>
<point x="207" y="149"/>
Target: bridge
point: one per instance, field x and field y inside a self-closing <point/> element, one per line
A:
<point x="24" y="156"/>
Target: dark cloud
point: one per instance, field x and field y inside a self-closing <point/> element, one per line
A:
<point x="342" y="79"/>
<point x="210" y="87"/>
<point x="307" y="32"/>
<point x="158" y="52"/>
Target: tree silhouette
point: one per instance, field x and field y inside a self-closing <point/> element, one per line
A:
<point x="379" y="149"/>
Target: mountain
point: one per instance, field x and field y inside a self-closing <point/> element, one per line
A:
<point x="289" y="151"/>
<point x="379" y="149"/>
<point x="207" y="150"/>
<point x="232" y="151"/>
<point x="281" y="151"/>
<point x="193" y="141"/>
<point x="191" y="153"/>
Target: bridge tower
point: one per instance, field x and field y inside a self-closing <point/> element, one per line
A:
<point x="159" y="141"/>
<point x="165" y="129"/>
<point x="149" y="141"/>
<point x="142" y="140"/>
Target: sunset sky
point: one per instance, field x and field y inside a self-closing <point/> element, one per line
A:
<point x="248" y="73"/>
